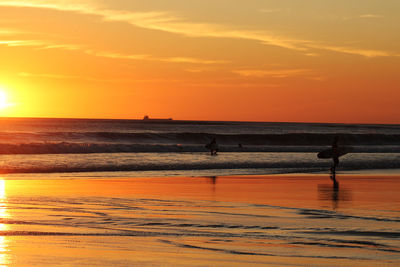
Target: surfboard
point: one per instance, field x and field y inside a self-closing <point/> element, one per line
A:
<point x="328" y="153"/>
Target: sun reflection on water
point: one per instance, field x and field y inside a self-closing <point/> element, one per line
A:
<point x="3" y="227"/>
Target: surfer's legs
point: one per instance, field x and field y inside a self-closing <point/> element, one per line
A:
<point x="333" y="176"/>
<point x="335" y="161"/>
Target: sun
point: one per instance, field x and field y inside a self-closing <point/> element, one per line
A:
<point x="3" y="99"/>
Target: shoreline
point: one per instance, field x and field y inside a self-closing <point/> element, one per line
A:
<point x="224" y="188"/>
<point x="176" y="174"/>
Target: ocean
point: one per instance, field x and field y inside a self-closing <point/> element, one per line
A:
<point x="106" y="148"/>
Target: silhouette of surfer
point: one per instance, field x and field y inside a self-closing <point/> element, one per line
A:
<point x="334" y="153"/>
<point x="335" y="158"/>
<point x="213" y="147"/>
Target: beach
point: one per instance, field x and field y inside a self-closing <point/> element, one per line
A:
<point x="86" y="192"/>
<point x="277" y="220"/>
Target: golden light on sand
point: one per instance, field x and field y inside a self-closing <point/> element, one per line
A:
<point x="3" y="204"/>
<point x="3" y="212"/>
<point x="3" y="227"/>
<point x="2" y="192"/>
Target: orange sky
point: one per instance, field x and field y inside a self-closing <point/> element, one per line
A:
<point x="256" y="60"/>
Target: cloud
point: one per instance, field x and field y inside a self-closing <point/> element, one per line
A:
<point x="203" y="69"/>
<point x="9" y="32"/>
<point x="61" y="46"/>
<point x="46" y="75"/>
<point x="20" y="42"/>
<point x="63" y="5"/>
<point x="163" y="21"/>
<point x="67" y="77"/>
<point x="191" y="60"/>
<point x="94" y="79"/>
<point x="115" y="55"/>
<point x="370" y="16"/>
<point x="364" y="16"/>
<point x="355" y="51"/>
<point x="282" y="73"/>
<point x="274" y="10"/>
<point x="152" y="58"/>
<point x="230" y="85"/>
<point x="39" y="44"/>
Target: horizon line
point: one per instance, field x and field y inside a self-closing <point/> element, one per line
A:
<point x="194" y="120"/>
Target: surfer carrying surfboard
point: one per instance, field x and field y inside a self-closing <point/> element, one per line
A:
<point x="334" y="153"/>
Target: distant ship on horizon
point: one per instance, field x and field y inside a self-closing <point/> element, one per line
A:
<point x="148" y="119"/>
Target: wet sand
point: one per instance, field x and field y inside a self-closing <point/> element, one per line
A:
<point x="295" y="220"/>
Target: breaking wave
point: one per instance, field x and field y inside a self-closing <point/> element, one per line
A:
<point x="116" y="142"/>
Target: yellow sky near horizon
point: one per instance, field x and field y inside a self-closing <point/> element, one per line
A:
<point x="255" y="60"/>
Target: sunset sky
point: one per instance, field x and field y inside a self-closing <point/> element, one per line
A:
<point x="255" y="60"/>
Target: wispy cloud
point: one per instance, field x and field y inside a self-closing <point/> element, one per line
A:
<point x="203" y="69"/>
<point x="40" y="44"/>
<point x="281" y="73"/>
<point x="46" y="75"/>
<point x="272" y="10"/>
<point x="62" y="46"/>
<point x="94" y="79"/>
<point x="163" y="21"/>
<point x="68" y="77"/>
<point x="8" y="32"/>
<point x="236" y="84"/>
<point x="369" y="53"/>
<point x="66" y="5"/>
<point x="364" y="16"/>
<point x="370" y="16"/>
<point x="20" y="42"/>
<point x="115" y="55"/>
<point x="191" y="60"/>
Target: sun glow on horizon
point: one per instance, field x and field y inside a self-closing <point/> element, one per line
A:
<point x="4" y="100"/>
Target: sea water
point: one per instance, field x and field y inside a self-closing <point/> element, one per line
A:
<point x="104" y="148"/>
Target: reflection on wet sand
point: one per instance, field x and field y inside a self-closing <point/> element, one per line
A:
<point x="4" y="257"/>
<point x="265" y="220"/>
<point x="213" y="181"/>
<point x="334" y="194"/>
